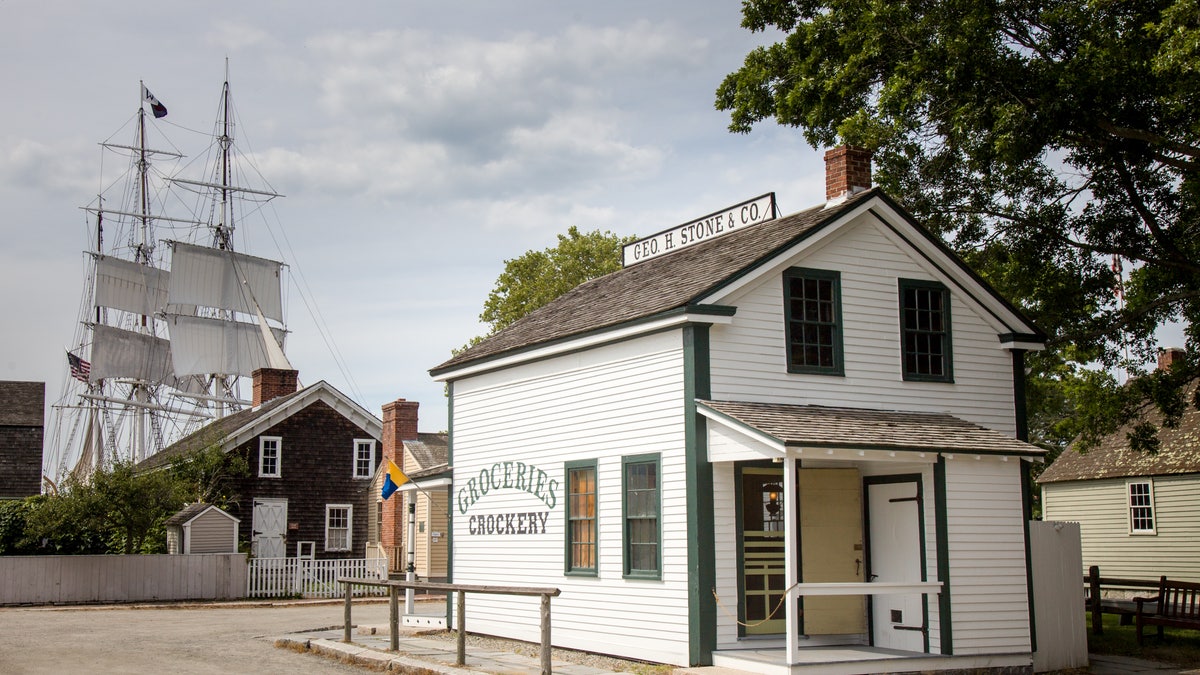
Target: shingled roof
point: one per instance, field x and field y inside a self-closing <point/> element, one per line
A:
<point x="818" y="426"/>
<point x="221" y="429"/>
<point x="1179" y="453"/>
<point x="657" y="286"/>
<point x="431" y="452"/>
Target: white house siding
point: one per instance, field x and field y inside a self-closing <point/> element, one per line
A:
<point x="603" y="404"/>
<point x="749" y="361"/>
<point x="986" y="542"/>
<point x="1099" y="506"/>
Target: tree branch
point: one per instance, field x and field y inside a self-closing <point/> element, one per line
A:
<point x="1127" y="317"/>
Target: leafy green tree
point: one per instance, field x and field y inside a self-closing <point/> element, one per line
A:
<point x="537" y="277"/>
<point x="14" y="515"/>
<point x="1048" y="141"/>
<point x="210" y="475"/>
<point x="116" y="510"/>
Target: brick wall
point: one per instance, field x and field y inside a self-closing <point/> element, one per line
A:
<point x="271" y="383"/>
<point x="399" y="424"/>
<point x="847" y="170"/>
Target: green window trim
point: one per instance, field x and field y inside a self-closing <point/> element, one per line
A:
<point x="588" y="545"/>
<point x="641" y="516"/>
<point x="812" y="308"/>
<point x="926" y="347"/>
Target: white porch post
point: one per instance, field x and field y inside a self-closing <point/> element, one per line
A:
<point x="791" y="553"/>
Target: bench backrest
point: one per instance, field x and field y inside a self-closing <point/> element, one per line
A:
<point x="1179" y="599"/>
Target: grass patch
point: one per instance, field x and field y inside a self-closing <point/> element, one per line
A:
<point x="1178" y="645"/>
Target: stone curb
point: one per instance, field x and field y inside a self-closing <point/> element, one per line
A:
<point x="375" y="660"/>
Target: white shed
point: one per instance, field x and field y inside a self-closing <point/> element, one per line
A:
<point x="202" y="528"/>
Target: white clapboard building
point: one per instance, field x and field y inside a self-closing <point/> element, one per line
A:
<point x="768" y="443"/>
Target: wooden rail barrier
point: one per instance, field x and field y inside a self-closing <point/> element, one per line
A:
<point x="460" y="610"/>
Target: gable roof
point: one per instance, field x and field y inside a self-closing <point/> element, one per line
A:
<point x="22" y="404"/>
<point x="233" y="430"/>
<point x="816" y="426"/>
<point x="1179" y="453"/>
<point x="677" y="282"/>
<point x="194" y="511"/>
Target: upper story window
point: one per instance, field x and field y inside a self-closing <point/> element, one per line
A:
<point x="337" y="526"/>
<point x="813" y="320"/>
<point x="925" y="331"/>
<point x="581" y="517"/>
<point x="269" y="451"/>
<point x="642" y="509"/>
<point x="364" y="457"/>
<point x="1141" y="507"/>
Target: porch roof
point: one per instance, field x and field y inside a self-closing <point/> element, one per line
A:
<point x="815" y="426"/>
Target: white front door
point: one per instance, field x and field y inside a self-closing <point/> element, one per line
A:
<point x="270" y="524"/>
<point x="894" y="509"/>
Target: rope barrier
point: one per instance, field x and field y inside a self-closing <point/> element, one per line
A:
<point x="770" y="615"/>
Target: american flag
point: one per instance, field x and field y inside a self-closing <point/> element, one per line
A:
<point x="80" y="369"/>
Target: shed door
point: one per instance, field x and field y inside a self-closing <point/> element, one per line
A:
<point x="898" y="621"/>
<point x="270" y="524"/>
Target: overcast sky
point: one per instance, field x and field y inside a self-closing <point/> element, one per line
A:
<point x="419" y="146"/>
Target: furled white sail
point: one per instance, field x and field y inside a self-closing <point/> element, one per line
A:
<point x="129" y="286"/>
<point x="121" y="353"/>
<point x="223" y="279"/>
<point x="216" y="346"/>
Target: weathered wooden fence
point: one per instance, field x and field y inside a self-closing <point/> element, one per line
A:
<point x="70" y="579"/>
<point x="1056" y="558"/>
<point x="304" y="577"/>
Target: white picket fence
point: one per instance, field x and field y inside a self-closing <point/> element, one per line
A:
<point x="281" y="577"/>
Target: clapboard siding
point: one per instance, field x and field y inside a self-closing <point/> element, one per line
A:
<point x="1099" y="507"/>
<point x="602" y="404"/>
<point x="986" y="541"/>
<point x="212" y="532"/>
<point x="749" y="361"/>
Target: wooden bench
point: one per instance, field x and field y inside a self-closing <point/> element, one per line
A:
<point x="1177" y="604"/>
<point x="1096" y="604"/>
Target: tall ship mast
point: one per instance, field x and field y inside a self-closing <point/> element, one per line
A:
<point x="173" y="317"/>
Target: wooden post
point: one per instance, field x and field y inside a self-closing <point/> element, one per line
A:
<point x="1094" y="592"/>
<point x="546" y="649"/>
<point x="393" y="618"/>
<point x="461" y="618"/>
<point x="346" y="630"/>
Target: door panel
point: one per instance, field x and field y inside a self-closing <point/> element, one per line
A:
<point x="895" y="536"/>
<point x="831" y="548"/>
<point x="270" y="524"/>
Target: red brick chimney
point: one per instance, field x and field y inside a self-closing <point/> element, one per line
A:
<point x="847" y="171"/>
<point x="399" y="425"/>
<point x="271" y="383"/>
<point x="1169" y="356"/>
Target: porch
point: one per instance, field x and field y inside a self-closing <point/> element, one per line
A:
<point x="856" y="659"/>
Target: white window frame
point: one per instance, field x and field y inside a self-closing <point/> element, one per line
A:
<point x="262" y="443"/>
<point x="329" y="508"/>
<point x="1130" y="506"/>
<point x="369" y="443"/>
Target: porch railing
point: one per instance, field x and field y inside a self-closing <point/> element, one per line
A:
<point x="303" y="577"/>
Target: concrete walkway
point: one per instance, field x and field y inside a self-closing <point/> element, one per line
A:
<point x="369" y="648"/>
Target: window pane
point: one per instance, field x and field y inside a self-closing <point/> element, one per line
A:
<point x="641" y="517"/>
<point x="581" y="517"/>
